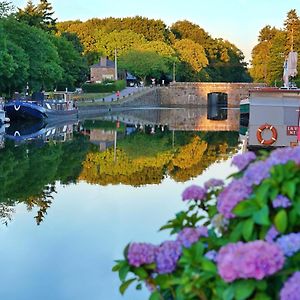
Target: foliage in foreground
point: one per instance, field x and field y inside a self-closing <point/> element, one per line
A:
<point x="235" y="241"/>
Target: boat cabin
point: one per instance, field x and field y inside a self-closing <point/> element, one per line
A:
<point x="274" y="117"/>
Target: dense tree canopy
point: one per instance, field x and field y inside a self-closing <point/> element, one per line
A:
<point x="198" y="56"/>
<point x="31" y="51"/>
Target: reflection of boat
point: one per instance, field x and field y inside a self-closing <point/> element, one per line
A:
<point x="38" y="130"/>
<point x="38" y="109"/>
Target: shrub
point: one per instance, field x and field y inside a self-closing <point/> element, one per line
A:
<point x="235" y="241"/>
<point x="105" y="87"/>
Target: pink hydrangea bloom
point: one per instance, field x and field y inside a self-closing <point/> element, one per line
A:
<point x="256" y="260"/>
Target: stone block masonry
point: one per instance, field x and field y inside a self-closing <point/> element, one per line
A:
<point x="196" y="93"/>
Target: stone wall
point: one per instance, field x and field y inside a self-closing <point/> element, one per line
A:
<point x="196" y="93"/>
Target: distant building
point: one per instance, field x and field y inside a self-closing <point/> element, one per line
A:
<point x="103" y="70"/>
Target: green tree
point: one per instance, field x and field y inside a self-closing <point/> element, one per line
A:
<point x="261" y="55"/>
<point x="46" y="12"/>
<point x="188" y="30"/>
<point x="44" y="63"/>
<point x="191" y="53"/>
<point x="123" y="41"/>
<point x="73" y="65"/>
<point x="6" y="8"/>
<point x="40" y="16"/>
<point x="292" y="28"/>
<point x="143" y="64"/>
<point x="29" y="15"/>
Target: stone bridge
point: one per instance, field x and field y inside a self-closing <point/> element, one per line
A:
<point x="196" y="93"/>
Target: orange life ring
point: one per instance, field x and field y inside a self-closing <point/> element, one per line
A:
<point x="272" y="140"/>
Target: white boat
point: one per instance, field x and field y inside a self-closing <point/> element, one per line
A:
<point x="274" y="117"/>
<point x="274" y="113"/>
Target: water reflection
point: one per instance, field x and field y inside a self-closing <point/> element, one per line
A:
<point x="134" y="147"/>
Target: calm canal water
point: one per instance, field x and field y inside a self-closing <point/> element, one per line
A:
<point x="73" y="195"/>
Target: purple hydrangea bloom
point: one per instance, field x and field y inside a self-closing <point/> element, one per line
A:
<point x="289" y="244"/>
<point x="211" y="255"/>
<point x="281" y="201"/>
<point x="291" y="288"/>
<point x="256" y="259"/>
<point x="167" y="255"/>
<point x="189" y="235"/>
<point x="271" y="234"/>
<point x="283" y="155"/>
<point x="231" y="195"/>
<point x="193" y="192"/>
<point x="256" y="173"/>
<point x="211" y="183"/>
<point x="141" y="253"/>
<point x="242" y="160"/>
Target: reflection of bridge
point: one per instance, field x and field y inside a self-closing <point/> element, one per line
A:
<point x="178" y="119"/>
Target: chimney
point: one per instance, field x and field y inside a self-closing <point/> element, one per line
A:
<point x="103" y="61"/>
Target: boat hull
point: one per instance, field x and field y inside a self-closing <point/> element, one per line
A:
<point x="21" y="110"/>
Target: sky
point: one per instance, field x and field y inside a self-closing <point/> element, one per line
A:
<point x="238" y="21"/>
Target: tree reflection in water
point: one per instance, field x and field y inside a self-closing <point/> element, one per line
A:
<point x="28" y="172"/>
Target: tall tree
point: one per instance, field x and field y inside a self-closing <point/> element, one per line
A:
<point x="6" y="8"/>
<point x="292" y="28"/>
<point x="45" y="10"/>
<point x="188" y="30"/>
<point x="40" y="16"/>
<point x="44" y="62"/>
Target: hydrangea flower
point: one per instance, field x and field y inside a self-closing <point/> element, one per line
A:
<point x="242" y="160"/>
<point x="231" y="195"/>
<point x="189" y="235"/>
<point x="256" y="173"/>
<point x="291" y="288"/>
<point x="283" y="155"/>
<point x="256" y="259"/>
<point x="211" y="255"/>
<point x="141" y="253"/>
<point x="271" y="234"/>
<point x="281" y="201"/>
<point x="167" y="255"/>
<point x="194" y="192"/>
<point x="289" y="244"/>
<point x="211" y="183"/>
